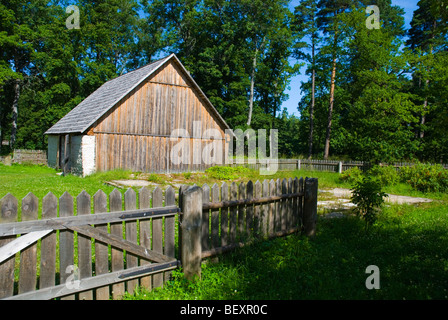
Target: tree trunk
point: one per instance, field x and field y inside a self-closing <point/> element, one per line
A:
<point x="425" y="103"/>
<point x="15" y="113"/>
<point x="330" y="111"/>
<point x="313" y="78"/>
<point x="252" y="84"/>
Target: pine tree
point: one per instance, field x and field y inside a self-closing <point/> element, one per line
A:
<point x="305" y="25"/>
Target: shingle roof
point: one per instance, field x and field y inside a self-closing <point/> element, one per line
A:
<point x="84" y="115"/>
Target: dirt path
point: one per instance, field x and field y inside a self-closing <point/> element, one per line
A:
<point x="346" y="194"/>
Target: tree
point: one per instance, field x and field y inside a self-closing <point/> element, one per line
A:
<point x="305" y="25"/>
<point x="225" y="45"/>
<point x="328" y="22"/>
<point x="382" y="116"/>
<point x="427" y="37"/>
<point x="17" y="36"/>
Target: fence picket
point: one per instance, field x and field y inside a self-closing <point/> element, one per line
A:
<point x="241" y="211"/>
<point x="84" y="245"/>
<point x="66" y="243"/>
<point x="265" y="210"/>
<point x="130" y="203"/>
<point x="233" y="213"/>
<point x="101" y="249"/>
<point x="115" y="204"/>
<point x="249" y="208"/>
<point x="48" y="244"/>
<point x="272" y="206"/>
<point x="215" y="217"/>
<point x="295" y="203"/>
<point x="224" y="215"/>
<point x="205" y="218"/>
<point x="28" y="256"/>
<point x="279" y="206"/>
<point x="8" y="213"/>
<point x="144" y="199"/>
<point x="290" y="204"/>
<point x="257" y="210"/>
<point x="157" y="233"/>
<point x="170" y="244"/>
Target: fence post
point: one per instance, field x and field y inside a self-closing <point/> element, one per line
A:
<point x="191" y="227"/>
<point x="310" y="207"/>
<point x="340" y="167"/>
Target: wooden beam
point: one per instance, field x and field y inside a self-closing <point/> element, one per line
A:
<point x="20" y="243"/>
<point x="233" y="203"/>
<point x="95" y="282"/>
<point x="120" y="243"/>
<point x="14" y="228"/>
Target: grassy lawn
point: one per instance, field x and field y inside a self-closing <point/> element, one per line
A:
<point x="21" y="179"/>
<point x="409" y="244"/>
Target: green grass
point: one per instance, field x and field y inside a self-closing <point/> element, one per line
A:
<point x="409" y="245"/>
<point x="21" y="179"/>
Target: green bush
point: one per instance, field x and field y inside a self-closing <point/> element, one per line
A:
<point x="351" y="175"/>
<point x="368" y="197"/>
<point x="187" y="175"/>
<point x="425" y="177"/>
<point x="386" y="175"/>
<point x="227" y="173"/>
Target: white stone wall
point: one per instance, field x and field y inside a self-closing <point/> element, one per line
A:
<point x="88" y="155"/>
<point x="75" y="161"/>
<point x="82" y="153"/>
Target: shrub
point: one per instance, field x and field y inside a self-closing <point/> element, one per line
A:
<point x="426" y="177"/>
<point x="187" y="175"/>
<point x="369" y="198"/>
<point x="155" y="178"/>
<point x="351" y="175"/>
<point x="227" y="173"/>
<point x="386" y="175"/>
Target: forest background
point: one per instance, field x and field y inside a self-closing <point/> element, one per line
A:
<point x="375" y="94"/>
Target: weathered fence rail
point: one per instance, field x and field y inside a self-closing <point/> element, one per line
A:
<point x="317" y="165"/>
<point x="102" y="246"/>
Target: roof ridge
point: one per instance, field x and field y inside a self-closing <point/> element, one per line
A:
<point x="81" y="120"/>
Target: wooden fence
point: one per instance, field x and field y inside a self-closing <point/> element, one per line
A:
<point x="86" y="252"/>
<point x="320" y="165"/>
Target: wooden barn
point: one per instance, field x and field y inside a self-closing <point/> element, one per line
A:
<point x="153" y="119"/>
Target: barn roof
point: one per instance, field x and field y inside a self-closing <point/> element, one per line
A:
<point x="85" y="114"/>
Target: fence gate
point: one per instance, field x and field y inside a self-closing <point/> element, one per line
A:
<point x="76" y="252"/>
<point x="97" y="254"/>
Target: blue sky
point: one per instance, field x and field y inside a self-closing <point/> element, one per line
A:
<point x="409" y="7"/>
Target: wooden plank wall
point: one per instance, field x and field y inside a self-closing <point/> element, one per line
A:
<point x="136" y="133"/>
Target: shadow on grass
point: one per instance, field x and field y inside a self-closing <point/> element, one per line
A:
<point x="412" y="259"/>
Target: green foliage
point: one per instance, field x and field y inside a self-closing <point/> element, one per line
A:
<point x="187" y="175"/>
<point x="351" y="175"/>
<point x="368" y="197"/>
<point x="155" y="178"/>
<point x="227" y="173"/>
<point x="386" y="175"/>
<point x="426" y="177"/>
